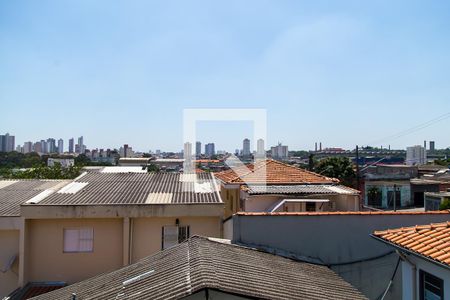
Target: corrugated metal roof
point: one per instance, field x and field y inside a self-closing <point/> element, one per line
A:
<point x="13" y="193"/>
<point x="202" y="263"/>
<point x="301" y="189"/>
<point x="136" y="188"/>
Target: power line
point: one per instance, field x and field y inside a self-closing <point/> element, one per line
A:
<point x="412" y="129"/>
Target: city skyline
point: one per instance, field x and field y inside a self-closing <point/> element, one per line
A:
<point x="117" y="83"/>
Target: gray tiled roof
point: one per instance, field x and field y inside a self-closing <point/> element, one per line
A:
<point x="302" y="189"/>
<point x="13" y="193"/>
<point x="137" y="188"/>
<point x="202" y="263"/>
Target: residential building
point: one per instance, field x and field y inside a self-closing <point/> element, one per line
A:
<point x="205" y="268"/>
<point x="271" y="186"/>
<point x="27" y="147"/>
<point x="7" y="143"/>
<point x="198" y="149"/>
<point x="37" y="147"/>
<point x="81" y="147"/>
<point x="71" y="230"/>
<point x="246" y="148"/>
<point x="51" y="144"/>
<point x="424" y="252"/>
<point x="44" y="146"/>
<point x="60" y="146"/>
<point x="210" y="150"/>
<point x="260" y="150"/>
<point x="279" y="152"/>
<point x="71" y="145"/>
<point x="339" y="240"/>
<point x="64" y="162"/>
<point x="432" y="146"/>
<point x="134" y="162"/>
<point x="416" y="155"/>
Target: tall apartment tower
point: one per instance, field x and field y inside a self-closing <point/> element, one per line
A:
<point x="279" y="151"/>
<point x="51" y="143"/>
<point x="81" y="147"/>
<point x="260" y="151"/>
<point x="210" y="149"/>
<point x="27" y="147"/>
<point x="71" y="144"/>
<point x="60" y="146"/>
<point x="198" y="149"/>
<point x="432" y="146"/>
<point x="416" y="155"/>
<point x="246" y="148"/>
<point x="7" y="143"/>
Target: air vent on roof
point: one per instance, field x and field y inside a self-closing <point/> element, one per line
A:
<point x="137" y="278"/>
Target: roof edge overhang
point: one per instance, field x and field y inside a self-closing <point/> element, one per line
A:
<point x="408" y="251"/>
<point x="121" y="211"/>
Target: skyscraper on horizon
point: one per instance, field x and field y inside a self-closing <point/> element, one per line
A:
<point x="260" y="151"/>
<point x="60" y="146"/>
<point x="7" y="143"/>
<point x="71" y="144"/>
<point x="246" y="148"/>
<point x="210" y="149"/>
<point x="198" y="149"/>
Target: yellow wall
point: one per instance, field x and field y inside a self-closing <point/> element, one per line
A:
<point x="147" y="232"/>
<point x="47" y="261"/>
<point x="9" y="246"/>
<point x="231" y="198"/>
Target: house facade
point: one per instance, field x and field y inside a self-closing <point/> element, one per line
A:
<point x="424" y="252"/>
<point x="271" y="186"/>
<point x="103" y="220"/>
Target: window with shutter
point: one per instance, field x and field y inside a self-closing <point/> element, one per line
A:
<point x="172" y="235"/>
<point x="79" y="240"/>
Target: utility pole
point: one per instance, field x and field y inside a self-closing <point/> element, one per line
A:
<point x="357" y="177"/>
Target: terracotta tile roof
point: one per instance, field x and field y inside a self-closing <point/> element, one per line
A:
<point x="431" y="241"/>
<point x="201" y="263"/>
<point x="334" y="213"/>
<point x="276" y="173"/>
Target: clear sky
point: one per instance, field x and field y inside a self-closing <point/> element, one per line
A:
<point x="340" y="72"/>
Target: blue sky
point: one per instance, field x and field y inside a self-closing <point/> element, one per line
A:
<point x="340" y="72"/>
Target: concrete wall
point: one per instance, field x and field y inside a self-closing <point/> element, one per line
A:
<point x="403" y="188"/>
<point x="334" y="240"/>
<point x="147" y="232"/>
<point x="46" y="260"/>
<point x="421" y="264"/>
<point x="9" y="246"/>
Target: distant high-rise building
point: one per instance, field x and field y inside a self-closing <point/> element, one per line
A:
<point x="210" y="149"/>
<point x="279" y="151"/>
<point x="81" y="146"/>
<point x="19" y="149"/>
<point x="260" y="151"/>
<point x="71" y="144"/>
<point x="432" y="146"/>
<point x="187" y="150"/>
<point x="246" y="148"/>
<point x="27" y="147"/>
<point x="198" y="149"/>
<point x="51" y="144"/>
<point x="416" y="155"/>
<point x="7" y="143"/>
<point x="60" y="146"/>
<point x="44" y="146"/>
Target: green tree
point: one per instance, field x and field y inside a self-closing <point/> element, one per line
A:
<point x="152" y="168"/>
<point x="338" y="167"/>
<point x="445" y="204"/>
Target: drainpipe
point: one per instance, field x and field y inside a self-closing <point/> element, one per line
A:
<point x="414" y="272"/>
<point x="130" y="251"/>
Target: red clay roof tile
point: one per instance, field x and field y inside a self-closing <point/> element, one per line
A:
<point x="427" y="240"/>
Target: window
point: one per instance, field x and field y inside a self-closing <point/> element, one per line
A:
<point x="79" y="240"/>
<point x="431" y="287"/>
<point x="310" y="206"/>
<point x="173" y="235"/>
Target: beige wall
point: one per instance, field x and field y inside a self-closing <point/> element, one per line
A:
<point x="9" y="246"/>
<point x="147" y="232"/>
<point x="230" y="196"/>
<point x="47" y="261"/>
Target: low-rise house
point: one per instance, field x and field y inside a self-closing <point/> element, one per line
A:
<point x="339" y="240"/>
<point x="433" y="201"/>
<point x="67" y="231"/>
<point x="424" y="251"/>
<point x="204" y="268"/>
<point x="270" y="186"/>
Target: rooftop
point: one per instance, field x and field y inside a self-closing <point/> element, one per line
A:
<point x="337" y="213"/>
<point x="301" y="189"/>
<point x="202" y="263"/>
<point x="429" y="241"/>
<point x="276" y="173"/>
<point x="13" y="193"/>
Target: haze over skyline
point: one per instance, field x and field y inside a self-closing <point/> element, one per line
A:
<point x="343" y="73"/>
